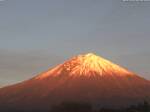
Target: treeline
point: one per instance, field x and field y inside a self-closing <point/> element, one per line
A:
<point x="81" y="107"/>
<point x="85" y="107"/>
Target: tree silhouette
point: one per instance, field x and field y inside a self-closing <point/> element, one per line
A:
<point x="72" y="107"/>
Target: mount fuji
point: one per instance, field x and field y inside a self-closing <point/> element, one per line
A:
<point x="83" y="78"/>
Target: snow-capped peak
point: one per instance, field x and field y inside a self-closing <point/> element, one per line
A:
<point x="86" y="65"/>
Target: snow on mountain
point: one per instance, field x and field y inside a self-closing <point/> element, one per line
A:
<point x="83" y="78"/>
<point x="86" y="65"/>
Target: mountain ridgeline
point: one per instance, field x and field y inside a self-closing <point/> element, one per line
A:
<point x="88" y="80"/>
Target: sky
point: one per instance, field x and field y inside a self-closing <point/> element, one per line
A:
<point x="36" y="35"/>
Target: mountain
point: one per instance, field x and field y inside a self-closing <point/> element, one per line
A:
<point x="84" y="78"/>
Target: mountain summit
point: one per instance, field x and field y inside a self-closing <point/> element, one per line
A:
<point x="83" y="78"/>
<point x="86" y="65"/>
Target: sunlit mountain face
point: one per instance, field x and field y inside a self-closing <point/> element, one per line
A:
<point x="88" y="65"/>
<point x="84" y="78"/>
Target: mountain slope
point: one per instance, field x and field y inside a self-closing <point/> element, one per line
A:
<point x="86" y="65"/>
<point x="84" y="78"/>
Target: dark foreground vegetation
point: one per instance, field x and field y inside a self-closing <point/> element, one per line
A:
<point x="84" y="107"/>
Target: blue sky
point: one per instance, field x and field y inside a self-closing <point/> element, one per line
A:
<point x="38" y="34"/>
